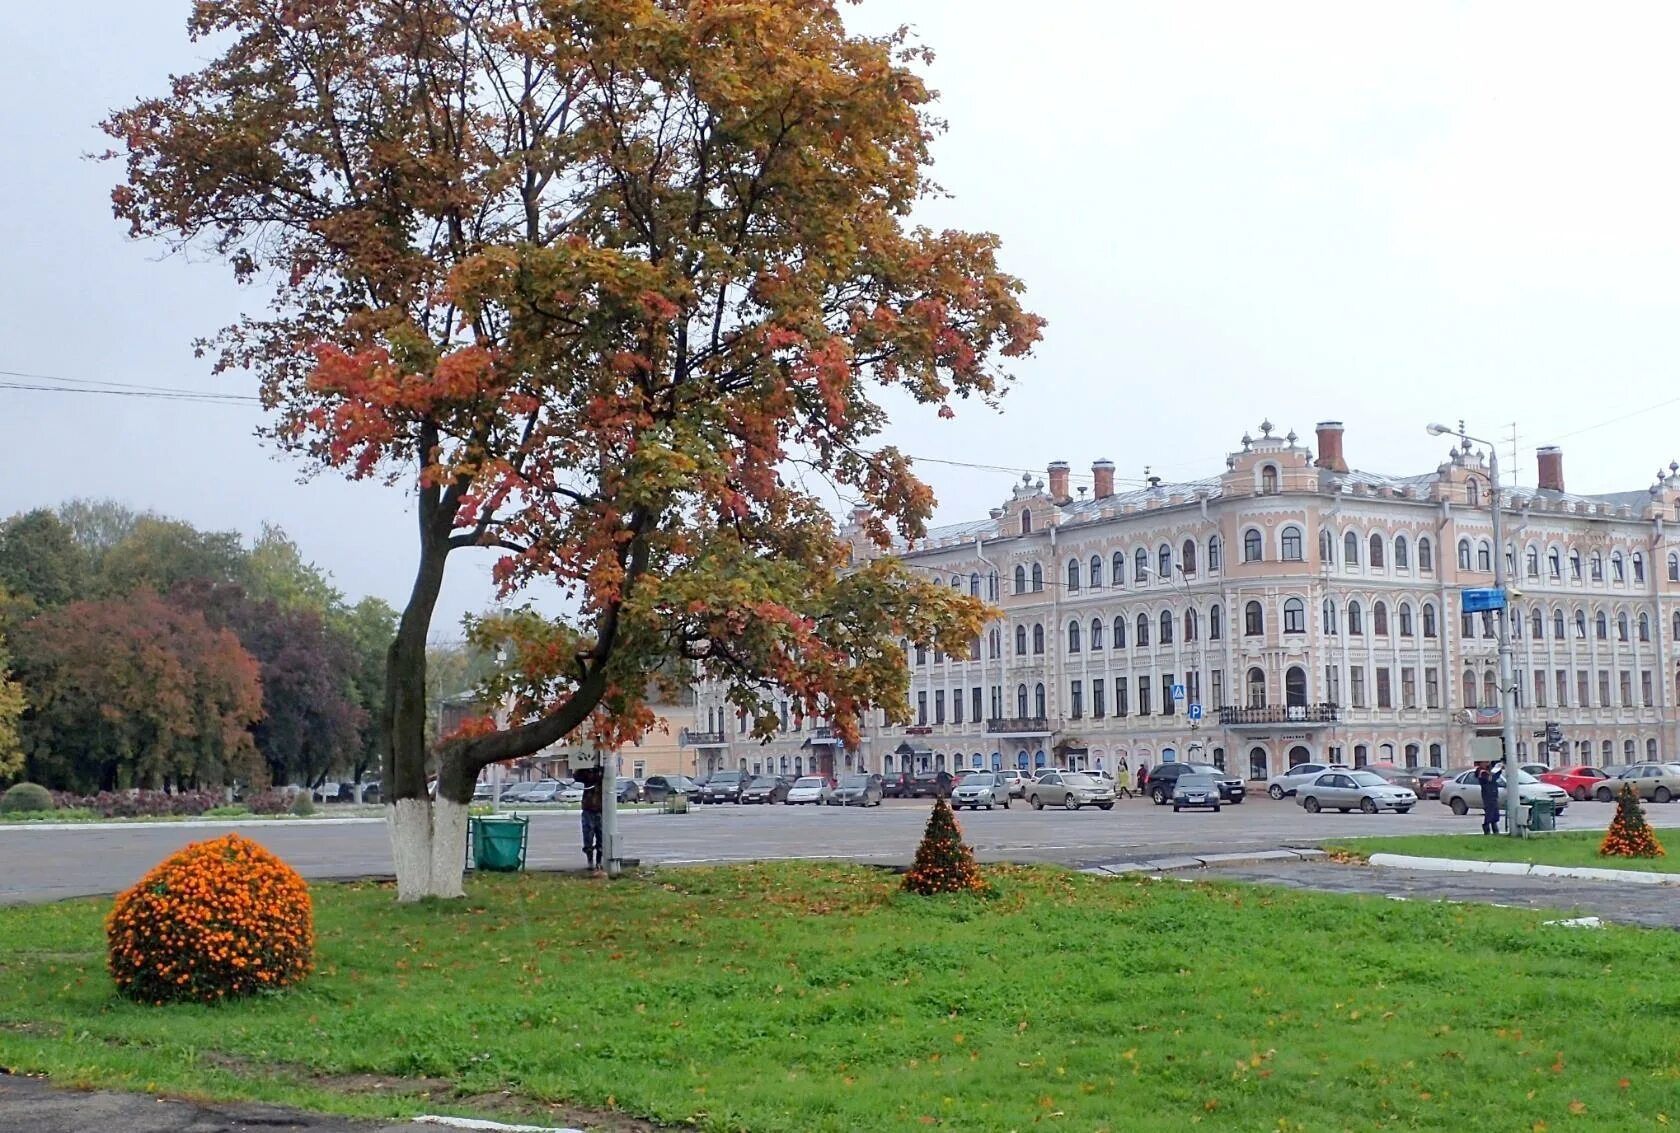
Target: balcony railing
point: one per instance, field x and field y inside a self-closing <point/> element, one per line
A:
<point x="1019" y="726"/>
<point x="700" y="739"/>
<point x="1281" y="715"/>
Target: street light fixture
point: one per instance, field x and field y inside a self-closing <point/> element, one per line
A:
<point x="1507" y="684"/>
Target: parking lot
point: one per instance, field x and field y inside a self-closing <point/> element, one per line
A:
<point x="47" y="864"/>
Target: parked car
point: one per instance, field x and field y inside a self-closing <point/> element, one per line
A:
<point x="981" y="789"/>
<point x="1286" y="784"/>
<point x="1654" y="782"/>
<point x="1195" y="790"/>
<point x="571" y="794"/>
<point x="629" y="791"/>
<point x="658" y="788"/>
<point x="765" y="789"/>
<point x="1538" y="770"/>
<point x="1365" y="789"/>
<point x="1164" y="777"/>
<point x="1408" y="777"/>
<point x="1017" y="781"/>
<point x="547" y="791"/>
<point x="1579" y="780"/>
<point x="1430" y="780"/>
<point x="1070" y="789"/>
<point x="930" y="785"/>
<point x="857" y="790"/>
<point x="1463" y="792"/>
<point x="896" y="786"/>
<point x="808" y="789"/>
<point x="723" y="787"/>
<point x="525" y="792"/>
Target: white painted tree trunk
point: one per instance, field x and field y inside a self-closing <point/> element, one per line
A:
<point x="428" y="847"/>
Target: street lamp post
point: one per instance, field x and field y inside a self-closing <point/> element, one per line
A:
<point x="1507" y="683"/>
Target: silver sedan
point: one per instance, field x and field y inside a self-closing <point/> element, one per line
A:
<point x="1345" y="790"/>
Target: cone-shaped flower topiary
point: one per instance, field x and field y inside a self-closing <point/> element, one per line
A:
<point x="944" y="863"/>
<point x="1630" y="836"/>
<point x="216" y="920"/>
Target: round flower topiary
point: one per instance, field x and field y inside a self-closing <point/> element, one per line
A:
<point x="217" y="920"/>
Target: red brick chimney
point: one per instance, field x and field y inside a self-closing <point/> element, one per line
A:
<point x="1102" y="471"/>
<point x="1550" y="458"/>
<point x="1059" y="481"/>
<point x="1330" y="446"/>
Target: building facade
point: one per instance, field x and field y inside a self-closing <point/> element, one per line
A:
<point x="1305" y="610"/>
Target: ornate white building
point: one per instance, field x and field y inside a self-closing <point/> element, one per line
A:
<point x="1309" y="611"/>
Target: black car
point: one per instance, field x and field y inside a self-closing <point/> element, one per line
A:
<point x="929" y="785"/>
<point x="1164" y="777"/>
<point x="658" y="788"/>
<point x="765" y="789"/>
<point x="896" y="786"/>
<point x="723" y="787"/>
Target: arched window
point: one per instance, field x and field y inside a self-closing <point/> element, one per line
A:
<point x="1326" y="547"/>
<point x="1096" y="572"/>
<point x="1426" y="555"/>
<point x="1356" y="618"/>
<point x="1581" y="624"/>
<point x="1473" y="492"/>
<point x="1402" y="553"/>
<point x="1164" y="558"/>
<point x="1621" y="625"/>
<point x="1020" y="579"/>
<point x="974" y="585"/>
<point x="1038" y="638"/>
<point x="1379" y="619"/>
<point x="1464" y="554"/>
<point x="1037" y="578"/>
<point x="1038" y="701"/>
<point x="1214" y="557"/>
<point x="1192" y="624"/>
<point x="1644" y="627"/>
<point x="1166" y="627"/>
<point x="1140" y="566"/>
<point x="1557" y="624"/>
<point x="1472" y="690"/>
<point x="1073" y="575"/>
<point x="1596" y="566"/>
<point x="1638" y="567"/>
<point x="1254" y="620"/>
<point x="1096" y="634"/>
<point x="1187" y="556"/>
<point x="1021" y="701"/>
<point x="1531" y="561"/>
<point x="1350" y="549"/>
<point x="1377" y="557"/>
<point x="1484" y="556"/>
<point x="1430" y="627"/>
<point x="1073" y="637"/>
<point x="1252" y="546"/>
<point x="1294" y="616"/>
<point x="1269" y="480"/>
<point x="1537" y="624"/>
<point x="1020" y="641"/>
<point x="1618" y="568"/>
<point x="1119" y="633"/>
<point x="1601" y="626"/>
<point x="956" y="583"/>
<point x="1329" y="614"/>
<point x="1142" y="630"/>
<point x="1575" y="565"/>
<point x="1117" y="569"/>
<point x="1295" y="687"/>
<point x="1554" y="563"/>
<point x="1216" y="623"/>
<point x="1256" y="688"/>
<point x="1490" y="690"/>
<point x="1673" y="567"/>
<point x="1026" y="521"/>
<point x="1405" y="619"/>
<point x="992" y="586"/>
<point x="1291" y="545"/>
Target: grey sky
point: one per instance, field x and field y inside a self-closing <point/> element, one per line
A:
<point x="1227" y="212"/>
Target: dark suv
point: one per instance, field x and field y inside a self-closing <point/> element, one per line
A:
<point x="1164" y="777"/>
<point x="723" y="787"/>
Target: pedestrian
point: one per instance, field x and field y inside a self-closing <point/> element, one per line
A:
<point x="591" y="778"/>
<point x="1487" y="777"/>
<point x="1142" y="778"/>
<point x="1123" y="778"/>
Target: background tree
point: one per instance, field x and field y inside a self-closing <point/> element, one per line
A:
<point x="275" y="569"/>
<point x="11" y="710"/>
<point x="160" y="554"/>
<point x="39" y="560"/>
<point x="590" y="278"/>
<point x="369" y="626"/>
<point x="98" y="525"/>
<point x="135" y="692"/>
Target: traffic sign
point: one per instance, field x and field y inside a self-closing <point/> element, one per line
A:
<point x="1195" y="711"/>
<point x="1178" y="692"/>
<point x="1480" y="599"/>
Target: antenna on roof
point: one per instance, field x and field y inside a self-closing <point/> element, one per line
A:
<point x="1514" y="467"/>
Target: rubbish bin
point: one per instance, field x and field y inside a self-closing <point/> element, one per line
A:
<point x="1542" y="815"/>
<point x="499" y="843"/>
<point x="676" y="803"/>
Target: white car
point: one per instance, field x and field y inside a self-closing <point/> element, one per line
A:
<point x="980" y="789"/>
<point x="1280" y="786"/>
<point x="570" y="794"/>
<point x="1345" y="790"/>
<point x="811" y="789"/>
<point x="1463" y="793"/>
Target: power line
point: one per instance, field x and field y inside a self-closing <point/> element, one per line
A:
<point x="147" y="394"/>
<point x="102" y="386"/>
<point x="1618" y="420"/>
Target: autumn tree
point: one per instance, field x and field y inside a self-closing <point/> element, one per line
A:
<point x="11" y="710"/>
<point x="135" y="692"/>
<point x="40" y="563"/>
<point x="98" y="525"/>
<point x="160" y="554"/>
<point x="605" y="283"/>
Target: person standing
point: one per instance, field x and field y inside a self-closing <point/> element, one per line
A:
<point x="1142" y="777"/>
<point x="591" y="778"/>
<point x="1487" y="777"/>
<point x="1123" y="778"/>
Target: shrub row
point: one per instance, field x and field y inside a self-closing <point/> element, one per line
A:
<point x="140" y="804"/>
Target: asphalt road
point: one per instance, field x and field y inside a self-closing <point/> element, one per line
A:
<point x="49" y="864"/>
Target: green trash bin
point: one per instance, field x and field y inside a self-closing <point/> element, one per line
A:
<point x="1542" y="815"/>
<point x="499" y="843"/>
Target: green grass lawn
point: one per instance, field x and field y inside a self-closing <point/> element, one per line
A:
<point x="1571" y="848"/>
<point x="805" y="997"/>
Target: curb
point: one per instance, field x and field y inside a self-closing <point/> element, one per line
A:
<point x="1201" y="861"/>
<point x="1523" y="869"/>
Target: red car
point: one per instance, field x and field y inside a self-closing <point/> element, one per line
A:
<point x="1578" y="781"/>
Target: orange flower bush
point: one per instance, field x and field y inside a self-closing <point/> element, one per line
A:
<point x="944" y="862"/>
<point x="1630" y="836"/>
<point x="217" y="920"/>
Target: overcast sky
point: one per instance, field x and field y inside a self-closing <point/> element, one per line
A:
<point x="1227" y="213"/>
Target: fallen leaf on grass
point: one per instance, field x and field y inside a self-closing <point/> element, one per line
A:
<point x="1577" y="1107"/>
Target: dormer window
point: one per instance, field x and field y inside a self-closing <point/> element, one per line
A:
<point x="1026" y="521"/>
<point x="1269" y="480"/>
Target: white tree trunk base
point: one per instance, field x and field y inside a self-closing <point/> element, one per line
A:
<point x="428" y="848"/>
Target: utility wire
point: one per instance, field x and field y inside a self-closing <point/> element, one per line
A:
<point x="100" y="386"/>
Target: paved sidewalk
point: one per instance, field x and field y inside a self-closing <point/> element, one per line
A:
<point x="32" y="1104"/>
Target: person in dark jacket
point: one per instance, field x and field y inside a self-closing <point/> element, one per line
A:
<point x="591" y="778"/>
<point x="1487" y="775"/>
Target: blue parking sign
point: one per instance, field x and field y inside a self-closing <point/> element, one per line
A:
<point x="1195" y="712"/>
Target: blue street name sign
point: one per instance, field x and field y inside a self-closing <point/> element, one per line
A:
<point x="1195" y="712"/>
<point x="1478" y="599"/>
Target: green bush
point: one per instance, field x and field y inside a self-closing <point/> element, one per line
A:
<point x="303" y="806"/>
<point x="233" y="810"/>
<point x="25" y="797"/>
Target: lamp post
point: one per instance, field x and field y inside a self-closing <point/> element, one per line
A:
<point x="1507" y="684"/>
